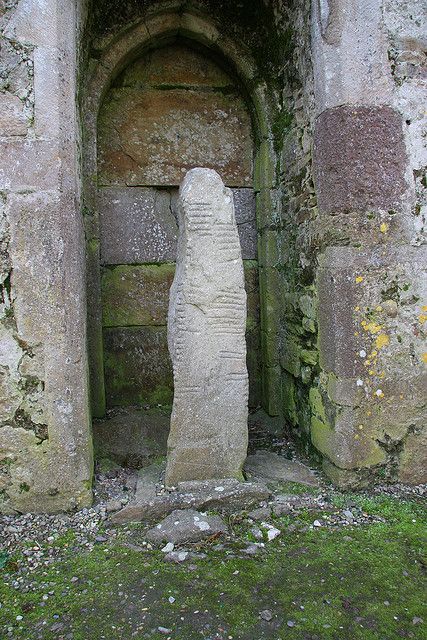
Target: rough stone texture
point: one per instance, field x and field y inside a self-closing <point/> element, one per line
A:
<point x="12" y="116"/>
<point x="224" y="495"/>
<point x="183" y="526"/>
<point x="153" y="130"/>
<point x="265" y="465"/>
<point x="369" y="406"/>
<point x="136" y="295"/>
<point x="136" y="225"/>
<point x="206" y="328"/>
<point x="139" y="225"/>
<point x="137" y="366"/>
<point x="405" y="26"/>
<point x="350" y="53"/>
<point x="45" y="432"/>
<point x="359" y="159"/>
<point x="131" y="437"/>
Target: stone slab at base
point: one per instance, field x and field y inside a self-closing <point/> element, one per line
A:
<point x="267" y="466"/>
<point x="151" y="504"/>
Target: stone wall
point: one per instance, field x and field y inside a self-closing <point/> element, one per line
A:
<point x="368" y="400"/>
<point x="213" y="129"/>
<point x="170" y="110"/>
<point x="45" y="447"/>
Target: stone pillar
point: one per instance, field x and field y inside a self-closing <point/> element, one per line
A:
<point x="367" y="400"/>
<point x="45" y="441"/>
<point x="206" y="334"/>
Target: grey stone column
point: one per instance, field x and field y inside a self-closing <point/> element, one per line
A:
<point x="366" y="403"/>
<point x="45" y="437"/>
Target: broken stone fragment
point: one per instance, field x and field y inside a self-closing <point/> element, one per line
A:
<point x="223" y="495"/>
<point x="266" y="465"/>
<point x="186" y="526"/>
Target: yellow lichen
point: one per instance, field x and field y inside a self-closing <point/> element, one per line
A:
<point x="359" y="279"/>
<point x="384" y="227"/>
<point x="382" y="340"/>
<point x="424" y="308"/>
<point x="373" y="327"/>
<point x="422" y="318"/>
<point x="424" y="357"/>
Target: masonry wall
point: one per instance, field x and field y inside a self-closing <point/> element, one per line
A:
<point x="337" y="93"/>
<point x="368" y="401"/>
<point x="171" y="109"/>
<point x="45" y="446"/>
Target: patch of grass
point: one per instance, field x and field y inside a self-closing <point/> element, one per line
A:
<point x="364" y="583"/>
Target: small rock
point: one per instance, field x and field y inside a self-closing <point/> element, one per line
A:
<point x="266" y="615"/>
<point x="168" y="548"/>
<point x="186" y="526"/>
<point x="177" y="556"/>
<point x="291" y="623"/>
<point x="317" y="523"/>
<point x="260" y="514"/>
<point x="113" y="505"/>
<point x="417" y="620"/>
<point x="171" y="599"/>
<point x="164" y="631"/>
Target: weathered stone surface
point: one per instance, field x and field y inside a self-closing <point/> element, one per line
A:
<point x="174" y="65"/>
<point x="131" y="436"/>
<point x="12" y="117"/>
<point x="137" y="366"/>
<point x="152" y="131"/>
<point x="266" y="465"/>
<point x="245" y="212"/>
<point x="224" y="495"/>
<point x="137" y="225"/>
<point x="186" y="526"/>
<point x="413" y="459"/>
<point x="359" y="159"/>
<point x="206" y="326"/>
<point x="136" y="294"/>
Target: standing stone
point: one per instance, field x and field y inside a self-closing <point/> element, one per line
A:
<point x="206" y="335"/>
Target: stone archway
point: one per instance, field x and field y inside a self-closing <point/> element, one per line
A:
<point x="121" y="66"/>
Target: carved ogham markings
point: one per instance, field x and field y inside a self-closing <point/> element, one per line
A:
<point x="207" y="318"/>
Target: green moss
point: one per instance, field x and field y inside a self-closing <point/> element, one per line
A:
<point x="364" y="583"/>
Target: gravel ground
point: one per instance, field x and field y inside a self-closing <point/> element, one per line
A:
<point x="36" y="534"/>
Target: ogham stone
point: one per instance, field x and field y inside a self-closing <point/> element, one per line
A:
<point x="206" y="335"/>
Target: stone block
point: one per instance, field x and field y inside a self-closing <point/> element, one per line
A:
<point x="206" y="335"/>
<point x="136" y="226"/>
<point x="137" y="366"/>
<point x="136" y="294"/>
<point x="29" y="164"/>
<point x="344" y="444"/>
<point x="224" y="495"/>
<point x="245" y="212"/>
<point x="413" y="458"/>
<point x="12" y="117"/>
<point x="152" y="136"/>
<point x="131" y="436"/>
<point x="174" y="65"/>
<point x="359" y="159"/>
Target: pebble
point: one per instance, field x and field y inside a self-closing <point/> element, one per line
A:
<point x="266" y="615"/>
<point x="168" y="547"/>
<point x="164" y="630"/>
